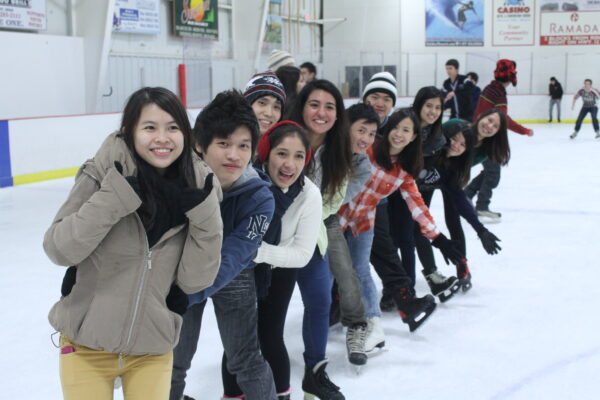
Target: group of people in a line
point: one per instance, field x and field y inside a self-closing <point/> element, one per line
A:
<point x="274" y="187"/>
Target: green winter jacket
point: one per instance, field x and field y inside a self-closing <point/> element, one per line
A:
<point x="118" y="302"/>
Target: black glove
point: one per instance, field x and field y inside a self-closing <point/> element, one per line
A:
<point x="132" y="180"/>
<point x="177" y="300"/>
<point x="448" y="248"/>
<point x="190" y="198"/>
<point x="489" y="241"/>
<point x="68" y="281"/>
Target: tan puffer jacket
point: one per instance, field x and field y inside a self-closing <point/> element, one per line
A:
<point x="118" y="303"/>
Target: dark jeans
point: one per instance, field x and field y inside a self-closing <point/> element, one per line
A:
<point x="352" y="309"/>
<point x="593" y="113"/>
<point x="402" y="230"/>
<point x="452" y="217"/>
<point x="484" y="183"/>
<point x="272" y="311"/>
<point x="384" y="253"/>
<point x="235" y="309"/>
<point x="315" y="284"/>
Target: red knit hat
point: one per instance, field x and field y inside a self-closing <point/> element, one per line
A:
<point x="506" y="71"/>
<point x="264" y="144"/>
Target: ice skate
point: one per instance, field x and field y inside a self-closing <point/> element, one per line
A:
<point x="316" y="384"/>
<point x="464" y="275"/>
<point x="442" y="287"/>
<point x="574" y="135"/>
<point x="489" y="217"/>
<point x="355" y="343"/>
<point x="375" y="338"/>
<point x="413" y="310"/>
<point x="597" y="135"/>
<point x="284" y="395"/>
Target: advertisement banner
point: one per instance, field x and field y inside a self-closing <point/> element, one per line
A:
<point x="136" y="16"/>
<point x="273" y="31"/>
<point x="454" y="22"/>
<point x="513" y="23"/>
<point x="569" y="23"/>
<point x="196" y="18"/>
<point x="23" y="14"/>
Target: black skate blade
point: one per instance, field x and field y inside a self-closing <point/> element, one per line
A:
<point x="448" y="293"/>
<point x="466" y="285"/>
<point x="416" y="322"/>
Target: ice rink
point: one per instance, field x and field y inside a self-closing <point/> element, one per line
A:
<point x="529" y="328"/>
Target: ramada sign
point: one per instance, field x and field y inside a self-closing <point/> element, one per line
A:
<point x="570" y="28"/>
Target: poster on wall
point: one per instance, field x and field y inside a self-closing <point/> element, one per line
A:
<point x="454" y="22"/>
<point x="23" y="14"/>
<point x="136" y="16"/>
<point x="513" y="23"/>
<point x="569" y="23"/>
<point x="196" y="18"/>
<point x="274" y="30"/>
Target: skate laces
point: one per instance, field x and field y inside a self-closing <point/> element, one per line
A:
<point x="355" y="338"/>
<point x="326" y="382"/>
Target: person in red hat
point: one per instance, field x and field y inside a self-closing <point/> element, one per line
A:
<point x="494" y="96"/>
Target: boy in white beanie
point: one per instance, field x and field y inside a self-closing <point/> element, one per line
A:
<point x="381" y="94"/>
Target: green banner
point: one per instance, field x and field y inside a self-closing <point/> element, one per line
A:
<point x="196" y="18"/>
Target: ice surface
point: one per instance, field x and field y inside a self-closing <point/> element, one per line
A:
<point x="529" y="328"/>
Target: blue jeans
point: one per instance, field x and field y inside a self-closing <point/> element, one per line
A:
<point x="315" y="284"/>
<point x="593" y="113"/>
<point x="235" y="309"/>
<point x="360" y="250"/>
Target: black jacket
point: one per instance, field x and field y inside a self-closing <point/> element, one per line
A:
<point x="556" y="91"/>
<point x="461" y="105"/>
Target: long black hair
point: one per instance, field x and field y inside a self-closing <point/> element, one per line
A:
<point x="411" y="157"/>
<point x="496" y="148"/>
<point x="459" y="165"/>
<point x="336" y="158"/>
<point x="181" y="170"/>
<point x="289" y="77"/>
<point x="424" y="94"/>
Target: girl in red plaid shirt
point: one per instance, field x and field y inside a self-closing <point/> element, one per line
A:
<point x="395" y="158"/>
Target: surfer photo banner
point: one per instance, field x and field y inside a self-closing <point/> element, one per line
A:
<point x="454" y="22"/>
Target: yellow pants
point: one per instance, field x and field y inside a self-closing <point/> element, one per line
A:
<point x="88" y="374"/>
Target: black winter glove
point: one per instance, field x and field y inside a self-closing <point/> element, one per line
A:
<point x="177" y="300"/>
<point x="489" y="241"/>
<point x="190" y="198"/>
<point x="448" y="248"/>
<point x="132" y="180"/>
<point x="68" y="281"/>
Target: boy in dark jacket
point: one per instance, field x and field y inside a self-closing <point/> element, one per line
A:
<point x="556" y="93"/>
<point x="226" y="133"/>
<point x="458" y="92"/>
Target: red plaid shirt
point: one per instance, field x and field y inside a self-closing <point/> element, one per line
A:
<point x="359" y="213"/>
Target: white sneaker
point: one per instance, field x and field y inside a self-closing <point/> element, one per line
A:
<point x="375" y="335"/>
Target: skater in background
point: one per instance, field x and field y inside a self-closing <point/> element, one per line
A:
<point x="137" y="209"/>
<point x="556" y="93"/>
<point x="589" y="96"/>
<point x="308" y="71"/>
<point x="474" y="77"/>
<point x="320" y="110"/>
<point x="283" y="153"/>
<point x="449" y="171"/>
<point x="494" y="96"/>
<point x="458" y="92"/>
<point x="266" y="95"/>
<point x="280" y="58"/>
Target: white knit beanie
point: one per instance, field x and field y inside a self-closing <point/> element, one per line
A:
<point x="381" y="82"/>
<point x="279" y="58"/>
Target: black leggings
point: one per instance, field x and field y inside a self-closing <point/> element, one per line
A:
<point x="272" y="311"/>
<point x="452" y="217"/>
<point x="384" y="254"/>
